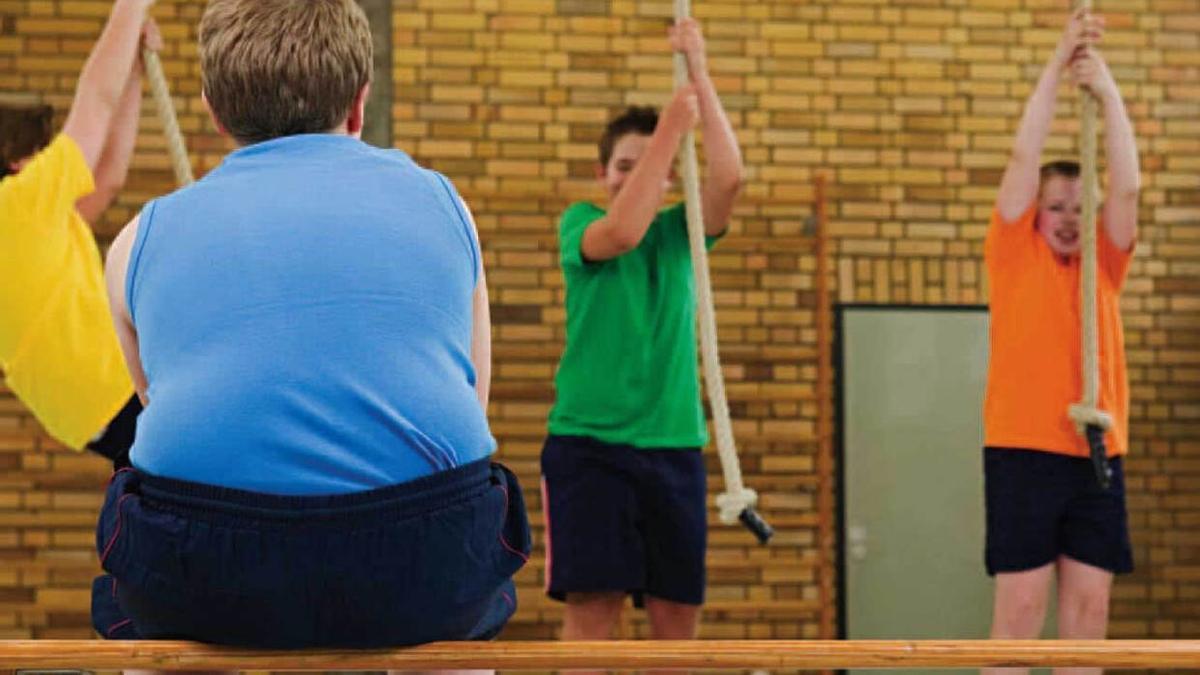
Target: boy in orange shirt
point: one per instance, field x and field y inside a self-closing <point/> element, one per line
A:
<point x="1046" y="513"/>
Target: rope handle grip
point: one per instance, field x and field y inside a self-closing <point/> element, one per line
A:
<point x="738" y="507"/>
<point x="1095" y="441"/>
<point x="757" y="526"/>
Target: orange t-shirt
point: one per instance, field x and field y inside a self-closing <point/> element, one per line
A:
<point x="1034" y="372"/>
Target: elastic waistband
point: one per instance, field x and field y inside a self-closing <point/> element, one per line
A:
<point x="420" y="495"/>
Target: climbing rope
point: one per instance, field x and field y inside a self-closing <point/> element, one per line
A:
<point x="166" y="113"/>
<point x="738" y="501"/>
<point x="1090" y="421"/>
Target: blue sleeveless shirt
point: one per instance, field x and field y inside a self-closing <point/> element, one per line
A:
<point x="304" y="317"/>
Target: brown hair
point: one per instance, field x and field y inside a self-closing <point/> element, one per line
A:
<point x="1064" y="167"/>
<point x="274" y="68"/>
<point x="23" y="131"/>
<point x="635" y="120"/>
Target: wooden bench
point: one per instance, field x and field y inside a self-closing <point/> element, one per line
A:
<point x="708" y="654"/>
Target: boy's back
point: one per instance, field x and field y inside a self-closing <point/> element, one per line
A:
<point x="284" y="295"/>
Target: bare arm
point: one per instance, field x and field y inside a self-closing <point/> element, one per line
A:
<point x="481" y="327"/>
<point x="634" y="207"/>
<point x="1019" y="187"/>
<point x="724" y="171"/>
<point x="114" y="277"/>
<point x="481" y="342"/>
<point x="1120" y="150"/>
<point x="113" y="167"/>
<point x="104" y="76"/>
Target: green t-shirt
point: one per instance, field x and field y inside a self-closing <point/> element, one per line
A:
<point x="629" y="372"/>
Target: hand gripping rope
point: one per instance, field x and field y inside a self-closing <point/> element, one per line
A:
<point x="738" y="501"/>
<point x="166" y="113"/>
<point x="1090" y="421"/>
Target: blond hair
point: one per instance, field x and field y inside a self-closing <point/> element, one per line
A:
<point x="272" y="68"/>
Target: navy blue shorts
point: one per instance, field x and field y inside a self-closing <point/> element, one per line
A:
<point x="1042" y="505"/>
<point x="116" y="438"/>
<point x="624" y="519"/>
<point x="430" y="559"/>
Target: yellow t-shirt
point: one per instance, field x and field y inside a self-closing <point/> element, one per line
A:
<point x="58" y="349"/>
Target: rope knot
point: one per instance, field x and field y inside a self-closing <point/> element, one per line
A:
<point x="731" y="504"/>
<point x="1084" y="415"/>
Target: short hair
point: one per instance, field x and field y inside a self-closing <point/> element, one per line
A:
<point x="1063" y="167"/>
<point x="272" y="68"/>
<point x="635" y="120"/>
<point x="23" y="131"/>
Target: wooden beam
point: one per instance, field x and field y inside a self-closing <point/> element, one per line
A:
<point x="707" y="654"/>
<point x="826" y="535"/>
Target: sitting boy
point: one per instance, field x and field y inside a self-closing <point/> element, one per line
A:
<point x="308" y="328"/>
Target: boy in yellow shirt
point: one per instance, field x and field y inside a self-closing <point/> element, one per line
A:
<point x="58" y="350"/>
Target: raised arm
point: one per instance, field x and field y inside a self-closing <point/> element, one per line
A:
<point x="113" y="167"/>
<point x="1120" y="149"/>
<point x="1019" y="187"/>
<point x="104" y="77"/>
<point x="635" y="205"/>
<point x="724" y="171"/>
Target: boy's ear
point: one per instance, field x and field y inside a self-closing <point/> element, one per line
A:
<point x="600" y="172"/>
<point x="357" y="117"/>
<point x="212" y="116"/>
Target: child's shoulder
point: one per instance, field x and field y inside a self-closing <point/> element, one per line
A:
<point x="582" y="211"/>
<point x="583" y="207"/>
<point x="676" y="211"/>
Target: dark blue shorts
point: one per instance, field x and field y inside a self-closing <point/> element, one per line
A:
<point x="430" y="559"/>
<point x="1042" y="505"/>
<point x="116" y="438"/>
<point x="624" y="519"/>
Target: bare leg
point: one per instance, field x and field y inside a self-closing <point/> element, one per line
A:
<point x="591" y="616"/>
<point x="672" y="621"/>
<point x="1083" y="592"/>
<point x="1019" y="609"/>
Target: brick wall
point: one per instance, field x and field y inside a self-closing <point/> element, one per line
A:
<point x="908" y="106"/>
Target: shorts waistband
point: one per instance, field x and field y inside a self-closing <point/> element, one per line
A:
<point x="413" y="497"/>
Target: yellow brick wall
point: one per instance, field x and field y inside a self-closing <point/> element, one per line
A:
<point x="908" y="106"/>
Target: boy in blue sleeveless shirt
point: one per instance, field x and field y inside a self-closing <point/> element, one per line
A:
<point x="623" y="477"/>
<point x="308" y="328"/>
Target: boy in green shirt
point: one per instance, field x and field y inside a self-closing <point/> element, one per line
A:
<point x="622" y="472"/>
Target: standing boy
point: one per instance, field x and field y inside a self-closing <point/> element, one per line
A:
<point x="1047" y="516"/>
<point x="623" y="475"/>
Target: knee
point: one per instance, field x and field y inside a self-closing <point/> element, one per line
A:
<point x="672" y="620"/>
<point x="1019" y="617"/>
<point x="1083" y="614"/>
<point x="592" y="616"/>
